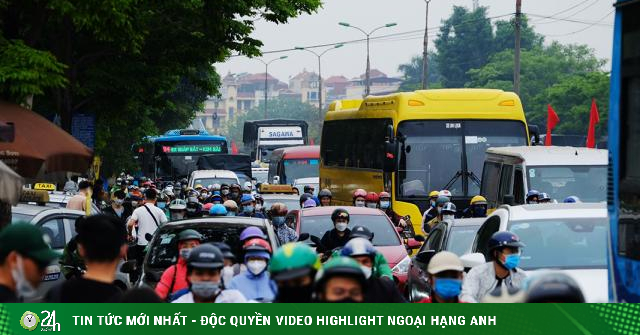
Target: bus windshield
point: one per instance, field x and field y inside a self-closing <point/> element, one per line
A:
<point x="439" y="154"/>
<point x="299" y="168"/>
<point x="589" y="183"/>
<point x="179" y="158"/>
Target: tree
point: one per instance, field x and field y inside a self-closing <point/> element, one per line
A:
<point x="505" y="36"/>
<point x="412" y="73"/>
<point x="465" y="42"/>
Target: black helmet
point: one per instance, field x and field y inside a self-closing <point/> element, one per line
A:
<point x="206" y="256"/>
<point x="189" y="234"/>
<point x="225" y="249"/>
<point x="361" y="231"/>
<point x="504" y="239"/>
<point x="325" y="193"/>
<point x="184" y="181"/>
<point x="304" y="197"/>
<point x="554" y="287"/>
<point x="339" y="212"/>
<point x="308" y="188"/>
<point x="234" y="185"/>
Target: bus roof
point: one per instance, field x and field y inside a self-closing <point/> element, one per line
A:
<point x="300" y="152"/>
<point x="447" y="104"/>
<point x="550" y="156"/>
<point x="174" y="138"/>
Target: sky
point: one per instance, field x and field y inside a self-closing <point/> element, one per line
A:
<point x="566" y="25"/>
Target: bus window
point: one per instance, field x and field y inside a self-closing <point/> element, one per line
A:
<point x="505" y="181"/>
<point x="518" y="186"/>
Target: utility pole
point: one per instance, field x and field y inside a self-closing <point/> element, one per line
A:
<point x="266" y="76"/>
<point x="319" y="55"/>
<point x="516" y="66"/>
<point x="425" y="54"/>
<point x="476" y="5"/>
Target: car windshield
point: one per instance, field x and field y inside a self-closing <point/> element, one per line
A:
<point x="16" y="217"/>
<point x="164" y="247"/>
<point x="562" y="244"/>
<point x="299" y="168"/>
<point x="384" y="233"/>
<point x="589" y="183"/>
<point x="261" y="176"/>
<point x="292" y="204"/>
<point x="461" y="239"/>
<point x="432" y="153"/>
<point x="205" y="182"/>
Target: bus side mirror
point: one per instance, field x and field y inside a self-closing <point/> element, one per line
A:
<point x="390" y="151"/>
<point x="534" y="132"/>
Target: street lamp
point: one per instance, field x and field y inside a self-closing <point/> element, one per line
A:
<point x="319" y="55"/>
<point x="266" y="76"/>
<point x="367" y="88"/>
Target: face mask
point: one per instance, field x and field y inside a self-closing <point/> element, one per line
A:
<point x="177" y="216"/>
<point x="385" y="204"/>
<point x="341" y="226"/>
<point x="231" y="213"/>
<point x="367" y="271"/>
<point x="372" y="205"/>
<point x="295" y="294"/>
<point x="448" y="288"/>
<point x="247" y="209"/>
<point x="134" y="203"/>
<point x="511" y="261"/>
<point x="359" y="203"/>
<point x="184" y="253"/>
<point x="118" y="202"/>
<point x="24" y="288"/>
<point x="205" y="289"/>
<point x="258" y="207"/>
<point x="224" y="192"/>
<point x="278" y="220"/>
<point x="533" y="202"/>
<point x="433" y="203"/>
<point x="480" y="211"/>
<point x="204" y="195"/>
<point x="256" y="267"/>
<point x="235" y="194"/>
<point x="161" y="205"/>
<point x="448" y="218"/>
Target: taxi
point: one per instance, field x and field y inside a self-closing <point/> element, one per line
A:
<point x="285" y="194"/>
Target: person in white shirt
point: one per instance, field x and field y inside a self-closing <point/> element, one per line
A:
<point x="146" y="219"/>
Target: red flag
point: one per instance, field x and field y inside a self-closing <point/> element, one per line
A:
<point x="312" y="142"/>
<point x="234" y="148"/>
<point x="552" y="121"/>
<point x="594" y="118"/>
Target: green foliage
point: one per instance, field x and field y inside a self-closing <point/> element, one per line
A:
<point x="412" y="73"/>
<point x="505" y="35"/>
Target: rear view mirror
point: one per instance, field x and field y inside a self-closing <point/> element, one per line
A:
<point x="425" y="256"/>
<point x="148" y="237"/>
<point x="419" y="238"/>
<point x="390" y="150"/>
<point x="471" y="260"/>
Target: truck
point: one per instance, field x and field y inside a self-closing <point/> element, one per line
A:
<point x="261" y="137"/>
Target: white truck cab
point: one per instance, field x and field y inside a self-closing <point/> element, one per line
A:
<point x="210" y="177"/>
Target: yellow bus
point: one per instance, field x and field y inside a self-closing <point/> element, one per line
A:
<point x="411" y="143"/>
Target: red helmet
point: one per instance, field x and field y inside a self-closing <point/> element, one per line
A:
<point x="257" y="244"/>
<point x="384" y="195"/>
<point x="359" y="193"/>
<point x="372" y="197"/>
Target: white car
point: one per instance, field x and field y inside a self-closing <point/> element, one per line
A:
<point x="570" y="238"/>
<point x="300" y="183"/>
<point x="210" y="177"/>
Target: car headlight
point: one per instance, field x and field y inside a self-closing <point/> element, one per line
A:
<point x="403" y="266"/>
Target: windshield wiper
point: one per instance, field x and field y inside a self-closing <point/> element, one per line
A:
<point x="475" y="178"/>
<point x="453" y="180"/>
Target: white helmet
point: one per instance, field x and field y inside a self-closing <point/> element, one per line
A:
<point x="445" y="193"/>
<point x="215" y="187"/>
<point x="247" y="186"/>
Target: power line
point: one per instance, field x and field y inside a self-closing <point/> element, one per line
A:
<point x="576" y="20"/>
<point x="568" y="16"/>
<point x="585" y="28"/>
<point x="566" y="10"/>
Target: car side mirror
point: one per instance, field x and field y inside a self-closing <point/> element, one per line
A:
<point x="303" y="237"/>
<point x="509" y="200"/>
<point x="390" y="150"/>
<point x="413" y="244"/>
<point x="425" y="256"/>
<point x="471" y="260"/>
<point x="128" y="267"/>
<point x="419" y="238"/>
<point x="148" y="237"/>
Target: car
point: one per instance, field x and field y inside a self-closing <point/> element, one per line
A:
<point x="299" y="184"/>
<point x="316" y="221"/>
<point x="285" y="194"/>
<point x="210" y="177"/>
<point x="58" y="227"/>
<point x="456" y="237"/>
<point x="163" y="248"/>
<point x="570" y="238"/>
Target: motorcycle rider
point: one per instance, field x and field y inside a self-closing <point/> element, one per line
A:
<point x="477" y="208"/>
<point x="217" y="210"/>
<point x="204" y="267"/>
<point x="255" y="283"/>
<point x="432" y="211"/>
<point x="532" y="197"/>
<point x="380" y="289"/>
<point x="284" y="233"/>
<point x="232" y="207"/>
<point x="445" y="274"/>
<point x="293" y="267"/>
<point x="544" y="198"/>
<point x="339" y="235"/>
<point x="249" y="207"/>
<point x="440" y="202"/>
<point x="385" y="205"/>
<point x="359" y="196"/>
<point x="371" y="200"/>
<point x="177" y="209"/>
<point x="504" y="248"/>
<point x="174" y="278"/>
<point x="341" y="279"/>
<point x="325" y="197"/>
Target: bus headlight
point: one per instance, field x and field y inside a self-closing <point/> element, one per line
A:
<point x="403" y="266"/>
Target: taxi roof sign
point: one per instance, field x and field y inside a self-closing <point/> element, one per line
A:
<point x="287" y="189"/>
<point x="44" y="187"/>
<point x="37" y="196"/>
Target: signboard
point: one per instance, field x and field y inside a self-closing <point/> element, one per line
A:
<point x="83" y="128"/>
<point x="280" y="132"/>
<point x="192" y="149"/>
<point x="44" y="187"/>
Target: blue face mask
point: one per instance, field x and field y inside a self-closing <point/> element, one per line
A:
<point x="480" y="211"/>
<point x="278" y="220"/>
<point x="447" y="288"/>
<point x="512" y="261"/>
<point x="433" y="203"/>
<point x="385" y="204"/>
<point x="161" y="205"/>
<point x="247" y="209"/>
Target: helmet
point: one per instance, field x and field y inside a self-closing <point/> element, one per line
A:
<point x="503" y="239"/>
<point x="325" y="193"/>
<point x="189" y="234"/>
<point x="442" y="200"/>
<point x="384" y="195"/>
<point x="258" y="198"/>
<point x="251" y="232"/>
<point x="257" y="244"/>
<point x="361" y="232"/>
<point x="450" y="208"/>
<point x="230" y="204"/>
<point x="478" y="200"/>
<point x="177" y="185"/>
<point x="162" y="197"/>
<point x="358" y="247"/>
<point x="308" y="189"/>
<point x="434" y="194"/>
<point x="359" y="193"/>
<point x="554" y="287"/>
<point x="215" y="187"/>
<point x="339" y="212"/>
<point x="218" y="210"/>
<point x="198" y="187"/>
<point x="168" y="192"/>
<point x="225" y="248"/>
<point x="234" y="185"/>
<point x="309" y="203"/>
<point x="193" y="207"/>
<point x="444" y="261"/>
<point x="293" y="260"/>
<point x="224" y="186"/>
<point x="339" y="266"/>
<point x="372" y="197"/>
<point x="247" y="198"/>
<point x="184" y="181"/>
<point x="544" y="197"/>
<point x="571" y="200"/>
<point x="178" y="205"/>
<point x="247" y="186"/>
<point x="216" y="197"/>
<point x="532" y="194"/>
<point x="445" y="193"/>
<point x="206" y="207"/>
<point x="205" y="256"/>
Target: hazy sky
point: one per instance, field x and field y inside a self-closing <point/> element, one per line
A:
<point x="387" y="53"/>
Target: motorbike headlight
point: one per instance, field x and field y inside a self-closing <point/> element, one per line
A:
<point x="403" y="266"/>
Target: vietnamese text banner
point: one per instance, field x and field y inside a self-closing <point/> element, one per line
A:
<point x="307" y="319"/>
